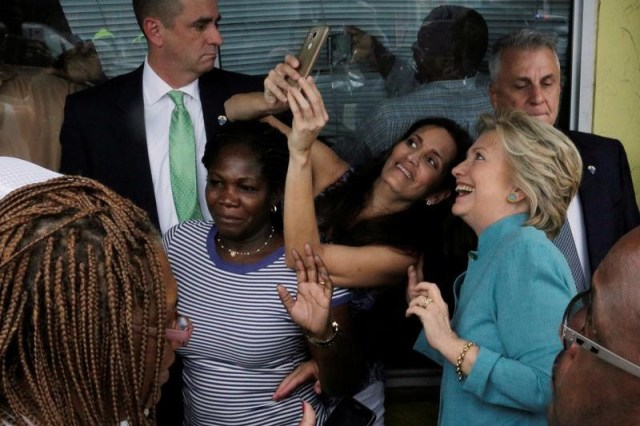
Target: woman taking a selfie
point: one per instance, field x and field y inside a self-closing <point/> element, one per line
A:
<point x="367" y="224"/>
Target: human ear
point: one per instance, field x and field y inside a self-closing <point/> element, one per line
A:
<point x="152" y="28"/>
<point x="275" y="198"/>
<point x="515" y="196"/>
<point x="493" y="96"/>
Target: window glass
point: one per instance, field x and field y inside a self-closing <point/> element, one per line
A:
<point x="51" y="48"/>
<point x="257" y="34"/>
<point x="77" y="43"/>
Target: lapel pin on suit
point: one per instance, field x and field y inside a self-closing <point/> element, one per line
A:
<point x="592" y="169"/>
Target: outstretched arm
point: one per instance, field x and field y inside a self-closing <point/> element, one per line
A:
<point x="326" y="165"/>
<point x="253" y="105"/>
<point x="309" y="117"/>
<point x="366" y="266"/>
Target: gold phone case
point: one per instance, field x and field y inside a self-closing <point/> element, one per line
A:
<point x="310" y="50"/>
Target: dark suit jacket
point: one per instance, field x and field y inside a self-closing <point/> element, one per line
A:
<point x="606" y="192"/>
<point x="103" y="135"/>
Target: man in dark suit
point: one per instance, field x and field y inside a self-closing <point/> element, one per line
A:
<point x="525" y="75"/>
<point x="118" y="132"/>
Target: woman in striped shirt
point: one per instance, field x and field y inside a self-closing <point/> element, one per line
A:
<point x="245" y="342"/>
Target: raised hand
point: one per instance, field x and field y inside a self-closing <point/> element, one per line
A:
<point x="311" y="308"/>
<point x="276" y="86"/>
<point x="414" y="274"/>
<point x="309" y="115"/>
<point x="430" y="307"/>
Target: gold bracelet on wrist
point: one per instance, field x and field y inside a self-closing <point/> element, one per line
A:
<point x="460" y="359"/>
<point x="335" y="330"/>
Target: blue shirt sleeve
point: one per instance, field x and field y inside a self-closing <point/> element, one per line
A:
<point x="533" y="287"/>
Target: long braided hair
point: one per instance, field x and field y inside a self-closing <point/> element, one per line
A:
<point x="79" y="266"/>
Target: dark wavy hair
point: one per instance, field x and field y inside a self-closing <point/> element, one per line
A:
<point x="405" y="230"/>
<point x="268" y="144"/>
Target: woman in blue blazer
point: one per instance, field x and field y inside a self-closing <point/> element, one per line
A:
<point x="498" y="349"/>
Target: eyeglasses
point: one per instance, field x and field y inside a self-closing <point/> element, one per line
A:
<point x="178" y="330"/>
<point x="576" y="314"/>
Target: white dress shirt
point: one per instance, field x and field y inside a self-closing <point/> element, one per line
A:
<point x="15" y="173"/>
<point x="157" y="119"/>
<point x="576" y="222"/>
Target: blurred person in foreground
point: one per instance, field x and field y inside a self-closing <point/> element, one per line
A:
<point x="596" y="379"/>
<point x="525" y="75"/>
<point x="497" y="350"/>
<point x="89" y="307"/>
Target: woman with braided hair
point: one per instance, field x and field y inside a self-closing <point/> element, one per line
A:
<point x="84" y="289"/>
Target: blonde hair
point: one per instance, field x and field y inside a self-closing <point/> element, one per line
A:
<point x="544" y="164"/>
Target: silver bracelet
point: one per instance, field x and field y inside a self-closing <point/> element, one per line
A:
<point x="335" y="330"/>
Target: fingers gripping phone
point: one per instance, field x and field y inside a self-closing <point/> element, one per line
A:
<point x="310" y="50"/>
<point x="350" y="412"/>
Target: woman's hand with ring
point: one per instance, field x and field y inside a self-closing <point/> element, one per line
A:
<point x="433" y="312"/>
<point x="426" y="302"/>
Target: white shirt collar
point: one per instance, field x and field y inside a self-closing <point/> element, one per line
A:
<point x="154" y="87"/>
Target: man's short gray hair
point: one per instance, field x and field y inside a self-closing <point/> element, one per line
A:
<point x="523" y="39"/>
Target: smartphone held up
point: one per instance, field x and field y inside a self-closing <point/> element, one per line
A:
<point x="310" y="50"/>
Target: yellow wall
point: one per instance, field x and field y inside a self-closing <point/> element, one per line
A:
<point x="616" y="111"/>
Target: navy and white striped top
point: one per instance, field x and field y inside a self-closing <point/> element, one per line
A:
<point x="244" y="343"/>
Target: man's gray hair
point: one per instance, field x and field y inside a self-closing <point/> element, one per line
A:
<point x="523" y="39"/>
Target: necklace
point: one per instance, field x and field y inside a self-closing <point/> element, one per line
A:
<point x="234" y="253"/>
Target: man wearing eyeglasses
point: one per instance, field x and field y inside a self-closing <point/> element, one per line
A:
<point x="596" y="377"/>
